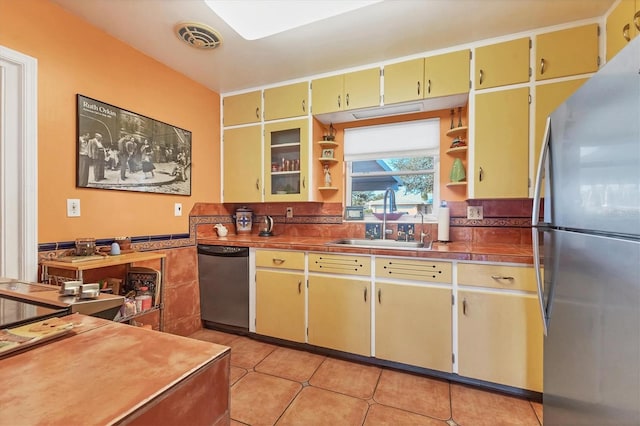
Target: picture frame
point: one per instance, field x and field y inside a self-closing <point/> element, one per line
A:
<point x="327" y="153"/>
<point x="122" y="150"/>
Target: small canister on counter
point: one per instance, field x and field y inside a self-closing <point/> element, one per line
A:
<point x="244" y="220"/>
<point x="143" y="299"/>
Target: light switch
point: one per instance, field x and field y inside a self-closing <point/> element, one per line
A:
<point x="177" y="209"/>
<point x="73" y="207"/>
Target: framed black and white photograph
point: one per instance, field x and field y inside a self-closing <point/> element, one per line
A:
<point x="122" y="150"/>
<point x="327" y="153"/>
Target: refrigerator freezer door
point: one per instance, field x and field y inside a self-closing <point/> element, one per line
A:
<point x="592" y="350"/>
<point x="594" y="151"/>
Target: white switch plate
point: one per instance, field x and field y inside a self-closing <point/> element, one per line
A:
<point x="177" y="209"/>
<point x="474" y="212"/>
<point x="289" y="212"/>
<point x="73" y="207"/>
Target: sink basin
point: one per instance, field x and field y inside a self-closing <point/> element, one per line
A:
<point x="392" y="244"/>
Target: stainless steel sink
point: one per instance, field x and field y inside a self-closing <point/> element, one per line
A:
<point x="372" y="244"/>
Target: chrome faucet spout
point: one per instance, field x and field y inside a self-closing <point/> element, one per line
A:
<point x="392" y="207"/>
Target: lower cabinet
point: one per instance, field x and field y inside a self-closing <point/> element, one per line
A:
<point x="413" y="325"/>
<point x="280" y="300"/>
<point x="499" y="326"/>
<point x="340" y="313"/>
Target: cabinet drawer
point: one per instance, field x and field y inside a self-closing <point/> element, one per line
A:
<point x="280" y="259"/>
<point x="339" y="264"/>
<point x="497" y="276"/>
<point x="420" y="270"/>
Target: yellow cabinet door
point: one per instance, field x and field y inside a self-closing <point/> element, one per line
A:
<point x="621" y="26"/>
<point x="280" y="300"/>
<point x="287" y="160"/>
<point x="404" y="81"/>
<point x="500" y="338"/>
<point x="413" y="325"/>
<point x="242" y="109"/>
<point x="446" y="74"/>
<point x="340" y="314"/>
<point x="501" y="149"/>
<point x="548" y="98"/>
<point x="362" y="89"/>
<point x="567" y="52"/>
<point x="286" y="101"/>
<point x="327" y="94"/>
<point x="502" y="64"/>
<point x="241" y="163"/>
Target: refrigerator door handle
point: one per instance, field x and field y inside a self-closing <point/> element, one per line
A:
<point x="536" y="267"/>
<point x="535" y="214"/>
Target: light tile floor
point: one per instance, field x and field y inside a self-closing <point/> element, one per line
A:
<point x="273" y="385"/>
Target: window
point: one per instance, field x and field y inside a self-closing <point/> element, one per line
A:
<point x="403" y="157"/>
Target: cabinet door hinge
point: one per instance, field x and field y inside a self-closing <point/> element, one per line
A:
<point x="255" y="322"/>
<point x="381" y="72"/>
<point x="453" y="300"/>
<point x="307" y="283"/>
<point x="598" y="30"/>
<point x="470" y="55"/>
<point x="307" y="331"/>
<point x="469" y="84"/>
<point x="453" y="358"/>
<point x="599" y="61"/>
<point x="530" y="71"/>
<point x="530" y="99"/>
<point x="530" y="44"/>
<point x="529" y="182"/>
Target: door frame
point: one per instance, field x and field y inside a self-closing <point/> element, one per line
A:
<point x="18" y="165"/>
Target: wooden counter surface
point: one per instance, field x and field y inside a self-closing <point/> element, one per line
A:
<point x="494" y="252"/>
<point x="109" y="373"/>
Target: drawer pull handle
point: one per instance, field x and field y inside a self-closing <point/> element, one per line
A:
<point x="346" y="98"/>
<point x="258" y="183"/>
<point x="304" y="107"/>
<point x="464" y="307"/>
<point x="481" y="77"/>
<point x="428" y="87"/>
<point x="278" y="261"/>
<point x="379" y="295"/>
<point x="365" y="294"/>
<point x="299" y="287"/>
<point x="501" y="277"/>
<point x="339" y="101"/>
<point x="258" y="113"/>
<point x="541" y="66"/>
<point x="636" y="20"/>
<point x="418" y="88"/>
<point x="625" y="32"/>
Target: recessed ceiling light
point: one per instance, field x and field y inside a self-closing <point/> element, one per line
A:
<point x="254" y="19"/>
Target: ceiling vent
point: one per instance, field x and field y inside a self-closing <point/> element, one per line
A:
<point x="198" y="35"/>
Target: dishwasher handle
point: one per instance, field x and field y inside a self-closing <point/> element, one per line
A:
<point x="222" y="251"/>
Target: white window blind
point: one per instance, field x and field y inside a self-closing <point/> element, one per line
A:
<point x="410" y="138"/>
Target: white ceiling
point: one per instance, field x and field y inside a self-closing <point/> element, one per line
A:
<point x="374" y="34"/>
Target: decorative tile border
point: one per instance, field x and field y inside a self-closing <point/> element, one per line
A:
<point x="507" y="222"/>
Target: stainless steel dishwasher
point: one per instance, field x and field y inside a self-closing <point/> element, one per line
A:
<point x="223" y="273"/>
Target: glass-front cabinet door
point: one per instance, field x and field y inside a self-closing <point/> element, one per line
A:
<point x="287" y="161"/>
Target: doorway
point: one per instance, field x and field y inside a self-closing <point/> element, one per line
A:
<point x="18" y="166"/>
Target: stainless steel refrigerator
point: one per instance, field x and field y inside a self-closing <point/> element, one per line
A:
<point x="588" y="242"/>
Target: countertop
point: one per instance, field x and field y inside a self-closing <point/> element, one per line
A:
<point x="100" y="373"/>
<point x="494" y="252"/>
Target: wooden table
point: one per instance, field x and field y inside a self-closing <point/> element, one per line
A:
<point x="110" y="373"/>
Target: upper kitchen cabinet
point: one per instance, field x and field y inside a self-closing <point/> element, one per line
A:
<point x="354" y="90"/>
<point x="242" y="109"/>
<point x="286" y="101"/>
<point x="567" y="52"/>
<point x="447" y="74"/>
<point x="623" y="24"/>
<point x="404" y="81"/>
<point x="431" y="77"/>
<point x="502" y="144"/>
<point x="241" y="163"/>
<point x="548" y="98"/>
<point x="502" y="64"/>
<point x="287" y="160"/>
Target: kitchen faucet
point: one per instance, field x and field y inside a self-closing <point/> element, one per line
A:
<point x="392" y="208"/>
<point x="420" y="211"/>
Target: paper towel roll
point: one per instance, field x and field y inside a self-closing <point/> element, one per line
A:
<point x="443" y="224"/>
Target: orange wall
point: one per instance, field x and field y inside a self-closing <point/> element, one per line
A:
<point x="75" y="57"/>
